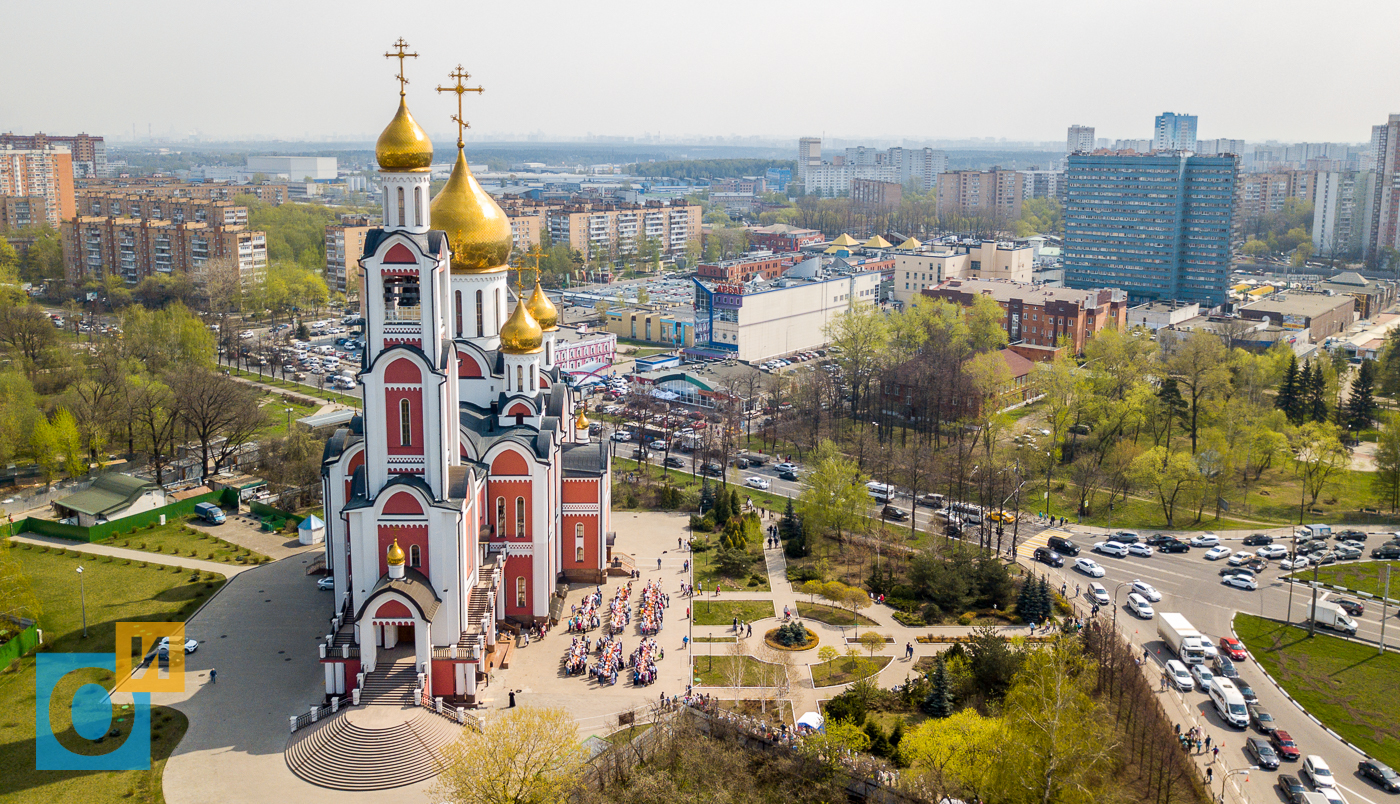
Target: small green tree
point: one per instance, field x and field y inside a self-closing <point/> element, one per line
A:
<point x="939" y="703"/>
<point x="828" y="654"/>
<point x="872" y="642"/>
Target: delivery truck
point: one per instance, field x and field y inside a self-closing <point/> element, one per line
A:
<point x="1329" y="615"/>
<point x="1185" y="641"/>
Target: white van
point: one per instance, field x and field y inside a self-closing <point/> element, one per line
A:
<point x="1139" y="606"/>
<point x="880" y="491"/>
<point x="968" y="511"/>
<point x="1316" y="531"/>
<point x="1229" y="703"/>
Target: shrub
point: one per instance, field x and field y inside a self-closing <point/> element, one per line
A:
<point x="966" y="618"/>
<point x="801" y="573"/>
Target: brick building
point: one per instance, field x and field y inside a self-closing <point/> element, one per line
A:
<point x="1040" y="316"/>
<point x="135" y="248"/>
<point x="38" y="186"/>
<point x="89" y="153"/>
<point x="1322" y="315"/>
<point x="973" y="193"/>
<point x="345" y="244"/>
<point x="780" y="237"/>
<point x="754" y="265"/>
<point x="872" y="194"/>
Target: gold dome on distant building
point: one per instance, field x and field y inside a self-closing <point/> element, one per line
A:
<point x="542" y="309"/>
<point x="521" y="334"/>
<point x="404" y="145"/>
<point x="395" y="556"/>
<point x="478" y="230"/>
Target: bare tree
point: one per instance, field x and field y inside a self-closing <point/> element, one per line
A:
<point x="219" y="412"/>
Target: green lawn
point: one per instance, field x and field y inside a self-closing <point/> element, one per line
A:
<point x="1365" y="576"/>
<point x="175" y="538"/>
<point x="846" y="669"/>
<point x="717" y="670"/>
<point x="830" y="615"/>
<point x="1346" y="685"/>
<point x="722" y="612"/>
<point x="707" y="574"/>
<point x="300" y="388"/>
<point x="712" y="639"/>
<point x="686" y="482"/>
<point x="275" y="405"/>
<point x="115" y="592"/>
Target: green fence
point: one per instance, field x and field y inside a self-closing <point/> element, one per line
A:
<point x="107" y="530"/>
<point x="27" y="640"/>
<point x="273" y="518"/>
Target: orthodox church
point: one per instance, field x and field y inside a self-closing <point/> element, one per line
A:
<point x="469" y="487"/>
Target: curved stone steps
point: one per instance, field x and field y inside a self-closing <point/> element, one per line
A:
<point x="338" y="754"/>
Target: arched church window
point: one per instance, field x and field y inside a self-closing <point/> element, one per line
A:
<point x="578" y="555"/>
<point x="533" y="382"/>
<point x="417" y="205"/>
<point x="500" y="516"/>
<point x="578" y="530"/>
<point x="405" y="425"/>
<point x="520" y="590"/>
<point x="458" y="296"/>
<point x="400" y="207"/>
<point x="520" y="378"/>
<point x="480" y="317"/>
<point x="415" y="556"/>
<point x="519" y="516"/>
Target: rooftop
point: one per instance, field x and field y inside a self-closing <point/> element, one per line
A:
<point x="108" y="494"/>
<point x="1304" y="304"/>
<point x="1005" y="291"/>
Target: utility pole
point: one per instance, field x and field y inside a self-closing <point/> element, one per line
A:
<point x="1312" y="620"/>
<point x="1385" y="606"/>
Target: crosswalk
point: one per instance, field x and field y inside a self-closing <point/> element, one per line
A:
<point x="1027" y="546"/>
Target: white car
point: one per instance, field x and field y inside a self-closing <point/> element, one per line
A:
<point x="1089" y="567"/>
<point x="163" y="646"/>
<point x="1099" y="594"/>
<point x="326" y="584"/>
<point x="1180" y="676"/>
<point x="785" y="467"/>
<point x="1332" y="794"/>
<point x="1146" y="590"/>
<point x="1315" y="768"/>
<point x="622" y="435"/>
<point x="1139" y="606"/>
<point x="1239" y="558"/>
<point x="756" y="482"/>
<point x="1202" y="675"/>
<point x="1293" y="563"/>
<point x="1111" y="549"/>
<point x="1205" y="540"/>
<point x="1217" y="553"/>
<point x="1142" y="550"/>
<point x="1272" y="551"/>
<point x="1240" y="582"/>
<point x="657" y="446"/>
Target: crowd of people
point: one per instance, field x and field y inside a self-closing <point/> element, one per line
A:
<point x="643" y="661"/>
<point x="651" y="608"/>
<point x="619" y="612"/>
<point x="609" y="660"/>
<point x="585" y="615"/>
<point x="576" y="658"/>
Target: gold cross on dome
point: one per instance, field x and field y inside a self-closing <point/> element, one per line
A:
<point x="402" y="48"/>
<point x="536" y="253"/>
<point x="460" y="75"/>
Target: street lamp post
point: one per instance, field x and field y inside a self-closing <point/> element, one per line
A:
<point x="1230" y="773"/>
<point x="1049" y="464"/>
<point x="289" y="420"/>
<point x="1115" y="603"/>
<point x="82" y="597"/>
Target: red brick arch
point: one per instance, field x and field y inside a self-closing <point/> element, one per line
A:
<point x="403" y="503"/>
<point x="403" y="371"/>
<point x="399" y="255"/>
<point x="509" y="463"/>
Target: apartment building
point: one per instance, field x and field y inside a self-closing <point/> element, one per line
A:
<point x="274" y="194"/>
<point x="781" y="237"/>
<point x="1266" y="193"/>
<point x="88" y="153"/>
<point x="1158" y="225"/>
<point x="1080" y="138"/>
<point x="602" y="230"/>
<point x="1341" y="206"/>
<point x="974" y="193"/>
<point x="174" y="208"/>
<point x="871" y="194"/>
<point x="135" y="248"/>
<point x="919" y="167"/>
<point x="916" y="271"/>
<point x="38" y="183"/>
<point x="525" y="229"/>
<point x="1383" y="223"/>
<point x="1040" y="316"/>
<point x="745" y="268"/>
<point x="345" y="244"/>
<point x="1174" y="132"/>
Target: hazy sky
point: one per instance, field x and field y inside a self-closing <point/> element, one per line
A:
<point x="1275" y="69"/>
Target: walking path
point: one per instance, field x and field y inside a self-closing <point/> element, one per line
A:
<point x="165" y="559"/>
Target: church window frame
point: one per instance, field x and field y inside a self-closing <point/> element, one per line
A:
<point x="415" y="556"/>
<point x="519" y="516"/>
<point x="405" y="423"/>
<point x="480" y="316"/>
<point x="458" y="310"/>
<point x="520" y="379"/>
<point x="521" y="589"/>
<point x="500" y="516"/>
<point x="578" y="554"/>
<point x="400" y="207"/>
<point x="417" y="205"/>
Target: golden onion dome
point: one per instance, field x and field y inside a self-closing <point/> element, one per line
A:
<point x="395" y="556"/>
<point x="581" y="421"/>
<point x="521" y="334"/>
<point x="542" y="309"/>
<point x="478" y="230"/>
<point x="404" y="145"/>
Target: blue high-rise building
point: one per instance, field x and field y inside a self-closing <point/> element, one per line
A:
<point x="1159" y="226"/>
<point x="1174" y="132"/>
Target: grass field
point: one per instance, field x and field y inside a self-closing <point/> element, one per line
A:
<point x="830" y="615"/>
<point x="115" y="592"/>
<point x="687" y="482"/>
<point x="707" y="574"/>
<point x="174" y="538"/>
<point x="722" y="612"/>
<point x="1365" y="576"/>
<point x="300" y="388"/>
<point x="1346" y="685"/>
<point x="717" y="670"/>
<point x="846" y="669"/>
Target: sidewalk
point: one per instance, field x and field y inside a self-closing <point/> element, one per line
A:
<point x="226" y="570"/>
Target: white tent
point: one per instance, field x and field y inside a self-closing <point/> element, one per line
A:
<point x="812" y="720"/>
<point x="311" y="530"/>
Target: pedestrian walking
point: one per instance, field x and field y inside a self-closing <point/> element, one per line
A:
<point x="213" y="676"/>
<point x="1214" y="753"/>
<point x="750" y="632"/>
<point x="512" y="699"/>
<point x="1178" y="729"/>
<point x="687" y="612"/>
<point x="658" y="563"/>
<point x="908" y="650"/>
<point x="1210" y="774"/>
<point x="736" y="625"/>
<point x="678" y="542"/>
<point x="1207" y="741"/>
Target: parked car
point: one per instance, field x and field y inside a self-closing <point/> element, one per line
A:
<point x="1246" y="692"/>
<point x="1099" y="594"/>
<point x="1272" y="551"/>
<point x="1386" y="551"/>
<point x="326" y="584"/>
<point x="1262" y="720"/>
<point x="1225" y="667"/>
<point x="1380" y="773"/>
<point x="1233" y="648"/>
<point x="1047" y="556"/>
<point x="712" y="469"/>
<point x="1217" y="553"/>
<point x="163" y="646"/>
<point x="1146" y="590"/>
<point x="1292" y="788"/>
<point x="1346" y="552"/>
<point x="1202" y="675"/>
<point x="1263" y="754"/>
<point x="1063" y="546"/>
<point x="1140" y="550"/>
<point x="891" y="512"/>
<point x="673" y="462"/>
<point x="1180" y="677"/>
<point x="1238" y="559"/>
<point x="1205" y="540"/>
<point x="1139" y="606"/>
<point x="787" y="474"/>
<point x="1284" y="745"/>
<point x="757" y="482"/>
<point x="1111" y="549"/>
<point x="1315" y="770"/>
<point x="1089" y="567"/>
<point x="1257" y="539"/>
<point x="785" y="467"/>
<point x="1125" y="537"/>
<point x="1293" y="563"/>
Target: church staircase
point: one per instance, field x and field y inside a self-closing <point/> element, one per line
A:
<point x="339" y="754"/>
<point x="391" y="683"/>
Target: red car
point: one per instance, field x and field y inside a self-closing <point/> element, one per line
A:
<point x="1233" y="648"/>
<point x="1284" y="745"/>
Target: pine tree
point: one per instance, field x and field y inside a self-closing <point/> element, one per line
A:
<point x="1025" y="601"/>
<point x="1289" y="393"/>
<point x="1361" y="406"/>
<point x="736" y="505"/>
<point x="789" y="520"/>
<point x="939" y="702"/>
<point x="722" y="512"/>
<point x="707" y="495"/>
<point x="897" y="733"/>
<point x="1044" y="600"/>
<point x="1317" y="395"/>
<point x="1170" y="397"/>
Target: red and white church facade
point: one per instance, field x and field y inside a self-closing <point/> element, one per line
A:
<point x="469" y="488"/>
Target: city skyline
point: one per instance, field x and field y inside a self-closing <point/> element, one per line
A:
<point x="569" y="72"/>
